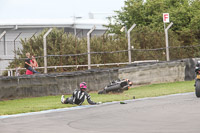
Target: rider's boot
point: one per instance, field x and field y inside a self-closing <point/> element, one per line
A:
<point x="62" y="99"/>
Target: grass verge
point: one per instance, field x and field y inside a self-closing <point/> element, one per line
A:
<point x="53" y="102"/>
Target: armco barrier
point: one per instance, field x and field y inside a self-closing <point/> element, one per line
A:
<point x="64" y="83"/>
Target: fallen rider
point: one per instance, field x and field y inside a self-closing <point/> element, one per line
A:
<point x="78" y="96"/>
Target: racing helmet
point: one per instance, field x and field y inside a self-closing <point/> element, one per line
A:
<point x="83" y="85"/>
<point x="198" y="64"/>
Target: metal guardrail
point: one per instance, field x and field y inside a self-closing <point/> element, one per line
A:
<point x="15" y="71"/>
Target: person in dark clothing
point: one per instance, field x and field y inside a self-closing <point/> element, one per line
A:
<point x="78" y="96"/>
<point x="197" y="69"/>
<point x="28" y="64"/>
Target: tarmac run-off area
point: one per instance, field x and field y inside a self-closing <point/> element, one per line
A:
<point x="178" y="113"/>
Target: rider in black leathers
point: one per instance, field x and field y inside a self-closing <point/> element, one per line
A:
<point x="197" y="68"/>
<point x="78" y="96"/>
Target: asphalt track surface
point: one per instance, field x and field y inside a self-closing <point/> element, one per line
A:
<point x="178" y="113"/>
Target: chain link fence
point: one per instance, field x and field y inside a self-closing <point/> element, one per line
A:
<point x="70" y="54"/>
<point x="99" y="59"/>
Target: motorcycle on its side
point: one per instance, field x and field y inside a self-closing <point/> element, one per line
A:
<point x="117" y="86"/>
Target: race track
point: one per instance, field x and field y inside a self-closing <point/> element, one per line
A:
<point x="166" y="114"/>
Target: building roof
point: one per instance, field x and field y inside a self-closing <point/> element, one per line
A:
<point x="46" y="23"/>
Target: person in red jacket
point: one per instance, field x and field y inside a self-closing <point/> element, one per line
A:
<point x="78" y="96"/>
<point x="30" y="62"/>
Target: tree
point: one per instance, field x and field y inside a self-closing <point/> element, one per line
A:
<point x="183" y="13"/>
<point x="149" y="32"/>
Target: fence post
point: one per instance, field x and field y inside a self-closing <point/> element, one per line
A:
<point x="129" y="43"/>
<point x="45" y="49"/>
<point x="8" y="72"/>
<point x="14" y="43"/>
<point x="88" y="46"/>
<point x="5" y="48"/>
<point x="166" y="39"/>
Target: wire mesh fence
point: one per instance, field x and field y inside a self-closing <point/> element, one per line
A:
<point x="8" y="47"/>
<point x="77" y="60"/>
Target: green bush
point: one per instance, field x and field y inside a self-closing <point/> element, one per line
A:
<point x="62" y="48"/>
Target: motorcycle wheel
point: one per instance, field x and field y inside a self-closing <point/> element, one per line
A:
<point x="102" y="92"/>
<point x="197" y="88"/>
<point x="115" y="87"/>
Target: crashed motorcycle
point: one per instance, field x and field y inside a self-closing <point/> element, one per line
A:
<point x="117" y="86"/>
<point x="197" y="83"/>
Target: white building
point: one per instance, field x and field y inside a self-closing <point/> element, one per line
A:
<point x="11" y="31"/>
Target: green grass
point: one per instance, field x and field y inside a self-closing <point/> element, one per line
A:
<point x="53" y="102"/>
